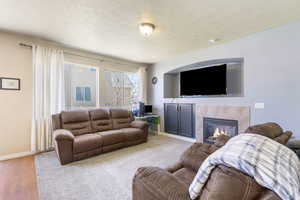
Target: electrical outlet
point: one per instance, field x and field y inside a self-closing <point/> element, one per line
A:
<point x="259" y="105"/>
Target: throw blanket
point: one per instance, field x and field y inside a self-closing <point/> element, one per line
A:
<point x="271" y="164"/>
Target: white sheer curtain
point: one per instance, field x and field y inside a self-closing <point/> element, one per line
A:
<point x="48" y="94"/>
<point x="143" y="85"/>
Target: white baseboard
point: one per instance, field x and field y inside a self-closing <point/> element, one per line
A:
<point x="178" y="137"/>
<point x="16" y="155"/>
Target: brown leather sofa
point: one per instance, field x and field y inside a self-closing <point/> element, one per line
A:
<point x="271" y="130"/>
<point x="225" y="183"/>
<point x="82" y="134"/>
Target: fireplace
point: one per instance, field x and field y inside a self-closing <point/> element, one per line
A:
<point x="214" y="127"/>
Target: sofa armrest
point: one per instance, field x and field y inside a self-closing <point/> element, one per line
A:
<point x="63" y="143"/>
<point x="284" y="137"/>
<point x="63" y="134"/>
<point x="139" y="124"/>
<point x="151" y="183"/>
<point x="221" y="140"/>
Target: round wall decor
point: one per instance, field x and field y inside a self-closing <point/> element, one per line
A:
<point x="154" y="80"/>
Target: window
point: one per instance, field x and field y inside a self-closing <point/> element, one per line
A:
<point x="121" y="89"/>
<point x="81" y="86"/>
<point x="90" y="87"/>
<point x="132" y="84"/>
<point x="83" y="94"/>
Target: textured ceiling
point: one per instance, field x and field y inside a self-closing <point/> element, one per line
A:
<point x="111" y="26"/>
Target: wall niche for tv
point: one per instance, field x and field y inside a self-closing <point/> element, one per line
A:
<point x="234" y="80"/>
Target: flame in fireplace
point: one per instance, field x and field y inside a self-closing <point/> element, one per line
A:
<point x="219" y="132"/>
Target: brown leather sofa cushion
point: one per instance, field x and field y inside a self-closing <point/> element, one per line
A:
<point x="132" y="133"/>
<point x="87" y="142"/>
<point x="121" y="118"/>
<point x="112" y="137"/>
<point x="117" y="113"/>
<point x="221" y="140"/>
<point x="56" y="121"/>
<point x="193" y="157"/>
<point x="284" y="138"/>
<point x="228" y="183"/>
<point x="270" y="130"/>
<point x="153" y="183"/>
<point x="100" y="120"/>
<point x="78" y="122"/>
<point x="185" y="175"/>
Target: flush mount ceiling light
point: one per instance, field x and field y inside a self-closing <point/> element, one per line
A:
<point x="146" y="29"/>
<point x="214" y="40"/>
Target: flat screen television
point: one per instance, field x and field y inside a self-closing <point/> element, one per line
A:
<point x="148" y="109"/>
<point x="204" y="81"/>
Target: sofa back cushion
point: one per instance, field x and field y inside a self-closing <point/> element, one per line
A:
<point x="194" y="156"/>
<point x="229" y="183"/>
<point x="270" y="130"/>
<point x="121" y="118"/>
<point x="100" y="119"/>
<point x="56" y="121"/>
<point x="78" y="122"/>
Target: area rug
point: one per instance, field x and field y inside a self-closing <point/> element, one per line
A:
<point x="104" y="177"/>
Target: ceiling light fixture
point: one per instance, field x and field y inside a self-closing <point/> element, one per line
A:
<point x="146" y="29"/>
<point x="214" y="40"/>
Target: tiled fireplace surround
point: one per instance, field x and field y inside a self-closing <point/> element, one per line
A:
<point x="239" y="113"/>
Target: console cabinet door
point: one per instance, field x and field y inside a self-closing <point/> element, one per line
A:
<point x="171" y="118"/>
<point x="186" y="120"/>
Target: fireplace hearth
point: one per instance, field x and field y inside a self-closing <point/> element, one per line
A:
<point x="214" y="127"/>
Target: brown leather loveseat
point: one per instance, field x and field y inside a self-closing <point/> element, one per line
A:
<point x="85" y="133"/>
<point x="224" y="183"/>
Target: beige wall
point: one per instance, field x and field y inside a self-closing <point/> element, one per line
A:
<point x="15" y="106"/>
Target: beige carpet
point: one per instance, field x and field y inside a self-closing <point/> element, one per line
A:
<point x="104" y="177"/>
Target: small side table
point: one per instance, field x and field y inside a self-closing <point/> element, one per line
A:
<point x="154" y="123"/>
<point x="294" y="144"/>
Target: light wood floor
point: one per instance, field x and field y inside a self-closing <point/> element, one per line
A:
<point x="18" y="179"/>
